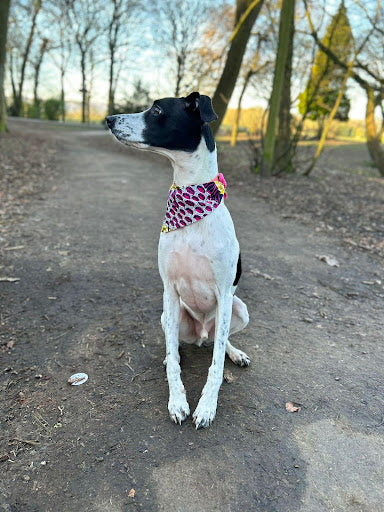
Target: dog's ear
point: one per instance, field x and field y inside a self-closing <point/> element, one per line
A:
<point x="201" y="105"/>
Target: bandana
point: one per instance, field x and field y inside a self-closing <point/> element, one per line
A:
<point x="186" y="205"/>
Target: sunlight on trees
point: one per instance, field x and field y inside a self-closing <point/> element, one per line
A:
<point x="114" y="55"/>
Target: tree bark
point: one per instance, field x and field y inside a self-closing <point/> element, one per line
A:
<point x="286" y="16"/>
<point x="37" y="67"/>
<point x="83" y="87"/>
<point x="227" y="82"/>
<point x="4" y="13"/>
<point x="374" y="145"/>
<point x="283" y="151"/>
<point x="111" y="91"/>
<point x="62" y="95"/>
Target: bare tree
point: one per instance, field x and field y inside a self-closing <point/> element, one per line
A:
<point x="4" y="12"/>
<point x="20" y="51"/>
<point x="85" y="17"/>
<point x="123" y="16"/>
<point x="62" y="42"/>
<point x="246" y="15"/>
<point x="36" y="64"/>
<point x="207" y="57"/>
<point x="178" y="27"/>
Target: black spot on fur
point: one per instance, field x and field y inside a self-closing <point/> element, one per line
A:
<point x="208" y="136"/>
<point x="179" y="126"/>
<point x="238" y="271"/>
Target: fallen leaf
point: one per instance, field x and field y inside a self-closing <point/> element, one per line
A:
<point x="329" y="260"/>
<point x="261" y="274"/>
<point x="290" y="407"/>
<point x="228" y="376"/>
<point x="131" y="493"/>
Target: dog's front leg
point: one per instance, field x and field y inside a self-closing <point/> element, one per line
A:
<point x="178" y="406"/>
<point x="206" y="408"/>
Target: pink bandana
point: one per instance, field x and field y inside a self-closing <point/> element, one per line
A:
<point x="186" y="205"/>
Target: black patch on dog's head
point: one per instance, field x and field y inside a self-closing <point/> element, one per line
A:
<point x="179" y="123"/>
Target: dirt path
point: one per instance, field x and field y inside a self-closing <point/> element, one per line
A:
<point x="89" y="299"/>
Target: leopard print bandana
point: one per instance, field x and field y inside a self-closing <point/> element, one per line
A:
<point x="186" y="205"/>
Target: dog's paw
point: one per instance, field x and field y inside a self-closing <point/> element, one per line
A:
<point x="205" y="412"/>
<point x="239" y="357"/>
<point x="178" y="408"/>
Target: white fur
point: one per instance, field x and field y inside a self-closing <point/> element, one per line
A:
<point x="129" y="129"/>
<point x="197" y="265"/>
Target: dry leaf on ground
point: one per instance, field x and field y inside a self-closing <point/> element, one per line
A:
<point x="228" y="376"/>
<point x="131" y="493"/>
<point x="290" y="407"/>
<point x="329" y="260"/>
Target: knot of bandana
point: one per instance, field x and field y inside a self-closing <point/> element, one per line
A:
<point x="186" y="205"/>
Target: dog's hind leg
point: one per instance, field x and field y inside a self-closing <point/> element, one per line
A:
<point x="239" y="321"/>
<point x="177" y="406"/>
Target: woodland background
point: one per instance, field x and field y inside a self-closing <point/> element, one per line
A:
<point x="301" y="62"/>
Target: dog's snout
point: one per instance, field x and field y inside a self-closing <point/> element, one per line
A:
<point x="111" y="120"/>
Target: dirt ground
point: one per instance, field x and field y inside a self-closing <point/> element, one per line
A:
<point x="82" y="245"/>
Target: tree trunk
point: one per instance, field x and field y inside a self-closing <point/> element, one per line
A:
<point x="374" y="145"/>
<point x="37" y="67"/>
<point x="286" y="16"/>
<point x="283" y="151"/>
<point x="111" y="92"/>
<point x="4" y="12"/>
<point x="18" y="100"/>
<point x="227" y="82"/>
<point x="62" y="95"/>
<point x="83" y="88"/>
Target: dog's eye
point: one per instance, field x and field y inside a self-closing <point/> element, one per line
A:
<point x="156" y="110"/>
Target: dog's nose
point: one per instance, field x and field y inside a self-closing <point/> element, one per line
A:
<point x="111" y="120"/>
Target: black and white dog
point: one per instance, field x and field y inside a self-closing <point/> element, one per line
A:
<point x="200" y="263"/>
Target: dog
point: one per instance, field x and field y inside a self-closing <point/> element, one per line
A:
<point x="199" y="258"/>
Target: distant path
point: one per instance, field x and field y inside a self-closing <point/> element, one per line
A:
<point x="89" y="299"/>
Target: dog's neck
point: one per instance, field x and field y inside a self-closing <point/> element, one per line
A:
<point x="193" y="168"/>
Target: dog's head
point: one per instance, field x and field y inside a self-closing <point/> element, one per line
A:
<point x="171" y="123"/>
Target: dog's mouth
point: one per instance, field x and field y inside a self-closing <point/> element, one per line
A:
<point x="132" y="143"/>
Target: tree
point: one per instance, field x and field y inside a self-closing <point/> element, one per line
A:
<point x="4" y="13"/>
<point x="207" y="58"/>
<point x="85" y="16"/>
<point x="36" y="64"/>
<point x="283" y="146"/>
<point x="120" y="29"/>
<point x="368" y="74"/>
<point x="178" y="26"/>
<point x="247" y="12"/>
<point x="62" y="43"/>
<point x="285" y="34"/>
<point x="22" y="50"/>
<point x="326" y="77"/>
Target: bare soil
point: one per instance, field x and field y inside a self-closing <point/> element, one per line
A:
<point x="83" y="245"/>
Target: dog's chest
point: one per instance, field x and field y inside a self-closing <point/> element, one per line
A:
<point x="194" y="259"/>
